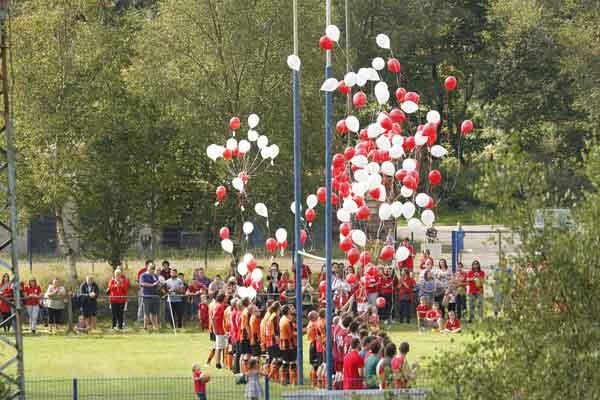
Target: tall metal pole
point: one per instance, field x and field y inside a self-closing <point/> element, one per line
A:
<point x="298" y="202"/>
<point x="328" y="211"/>
<point x="7" y="153"/>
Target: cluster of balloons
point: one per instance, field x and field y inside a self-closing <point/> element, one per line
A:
<point x="391" y="166"/>
<point x="252" y="277"/>
<point x="280" y="241"/>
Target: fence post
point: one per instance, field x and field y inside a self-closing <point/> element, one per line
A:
<point x="75" y="390"/>
<point x="266" y="387"/>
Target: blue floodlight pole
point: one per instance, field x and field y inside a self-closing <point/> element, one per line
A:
<point x="298" y="202"/>
<point x="328" y="211"/>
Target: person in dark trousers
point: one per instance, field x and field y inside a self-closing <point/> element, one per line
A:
<point x="118" y="288"/>
<point x="88" y="293"/>
<point x="175" y="289"/>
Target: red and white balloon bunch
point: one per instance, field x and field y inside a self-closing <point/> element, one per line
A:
<point x="392" y="152"/>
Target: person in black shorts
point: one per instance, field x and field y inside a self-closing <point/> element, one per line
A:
<point x="88" y="293"/>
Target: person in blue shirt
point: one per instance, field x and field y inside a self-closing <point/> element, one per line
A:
<point x="149" y="283"/>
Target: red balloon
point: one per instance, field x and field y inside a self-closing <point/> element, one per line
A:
<point x="345" y="244"/>
<point x="375" y="193"/>
<point x="365" y="258"/>
<point x="325" y="43"/>
<point x="359" y="99"/>
<point x="431" y="139"/>
<point x="429" y="129"/>
<point x="435" y="177"/>
<point x="386" y="253"/>
<point x="227" y="154"/>
<point x="271" y="245"/>
<point x="221" y="192"/>
<point x="466" y="126"/>
<point x="450" y="83"/>
<point x="257" y="285"/>
<point x="363" y="280"/>
<point x="409" y="143"/>
<point x="400" y="174"/>
<point x="341" y="127"/>
<point x="353" y="255"/>
<point x="247" y="280"/>
<point x="322" y="195"/>
<point x="351" y="278"/>
<point x="251" y="265"/>
<point x="310" y="215"/>
<point x="283" y="245"/>
<point x="386" y="123"/>
<point x="430" y="203"/>
<point x="358" y="200"/>
<point x="363" y="213"/>
<point x="400" y="93"/>
<point x="412" y="96"/>
<point x="224" y="233"/>
<point x="380" y="302"/>
<point x="345" y="228"/>
<point x="397" y="116"/>
<point x="409" y="182"/>
<point x="343" y="88"/>
<point x="349" y="153"/>
<point x="393" y="65"/>
<point x="335" y="199"/>
<point x="396" y="128"/>
<point x="344" y="190"/>
<point x="234" y="123"/>
<point x="303" y="236"/>
<point x="243" y="176"/>
<point x="338" y="160"/>
<point x="415" y="175"/>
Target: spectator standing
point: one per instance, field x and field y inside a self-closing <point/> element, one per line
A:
<point x="149" y="283"/>
<point x="165" y="271"/>
<point x="387" y="289"/>
<point x="442" y="276"/>
<point x="427" y="287"/>
<point x="141" y="271"/>
<point x="33" y="294"/>
<point x="475" y="280"/>
<point x="6" y="290"/>
<point x="55" y="301"/>
<point x="193" y="293"/>
<point x="409" y="262"/>
<point x="118" y="288"/>
<point x="407" y="286"/>
<point x="215" y="286"/>
<point x="460" y="277"/>
<point x="175" y="288"/>
<point x="89" y="301"/>
<point x="202" y="278"/>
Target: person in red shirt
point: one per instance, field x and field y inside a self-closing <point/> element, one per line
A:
<point x="118" y="287"/>
<point x="200" y="380"/>
<point x="372" y="283"/>
<point x="217" y="318"/>
<point x="475" y="281"/>
<point x="401" y="371"/>
<point x="406" y="286"/>
<point x="433" y="318"/>
<point x="6" y="290"/>
<point x="282" y="283"/>
<point x="203" y="313"/>
<point x="425" y="258"/>
<point x="33" y="294"/>
<point x="453" y="324"/>
<point x="409" y="262"/>
<point x="422" y="310"/>
<point x="386" y="290"/>
<point x="340" y="331"/>
<point x="353" y="367"/>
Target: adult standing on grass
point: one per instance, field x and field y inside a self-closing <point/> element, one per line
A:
<point x="141" y="271"/>
<point x="218" y="319"/>
<point x="475" y="280"/>
<point x="118" y="288"/>
<point x="55" y="295"/>
<point x="353" y="367"/>
<point x="33" y="294"/>
<point x="460" y="277"/>
<point x="406" y="284"/>
<point x="216" y="286"/>
<point x="6" y="290"/>
<point x="175" y="288"/>
<point x="149" y="283"/>
<point x="89" y="301"/>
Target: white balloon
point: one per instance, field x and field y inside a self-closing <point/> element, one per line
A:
<point x="409" y="107"/>
<point x="360" y="81"/>
<point x="360" y="188"/>
<point x="253" y="120"/>
<point x="438" y="151"/>
<point x="414" y="224"/>
<point x="248" y="257"/>
<point x="396" y="151"/>
<point x="385" y="211"/>
<point x="372" y="74"/>
<point x="383" y="142"/>
<point x="251" y="293"/>
<point x="396" y="209"/>
<point x="408" y="210"/>
<point x="378" y="63"/>
<point x="428" y="217"/>
<point x="422" y="199"/>
<point x="257" y="274"/>
<point x="262" y="141"/>
<point x="406" y="192"/>
<point x="231" y="144"/>
<point x="293" y="61"/>
<point x="373" y="168"/>
<point x="374" y="181"/>
<point x="265" y="152"/>
<point x="252" y="135"/>
<point x="227" y="245"/>
<point x="214" y="151"/>
<point x="380" y="117"/>
<point x="350" y="79"/>
<point x="248" y="227"/>
<point x="343" y="215"/>
<point x="359" y="161"/>
<point x="281" y="235"/>
<point x="433" y="117"/>
<point x="363" y="73"/>
<point x="359" y="237"/>
<point x="330" y="85"/>
<point x="332" y="32"/>
<point x="352" y="123"/>
<point x="350" y="206"/>
<point x="387" y="167"/>
<point x="312" y="201"/>
<point x="261" y="210"/>
<point x="242" y="292"/>
<point x="397" y="140"/>
<point x="409" y="164"/>
<point x="244" y="146"/>
<point x="293" y="207"/>
<point x="374" y="130"/>
<point x="420" y="140"/>
<point x="402" y="253"/>
<point x="274" y="150"/>
<point x="382" y="193"/>
<point x="238" y="184"/>
<point x="382" y="93"/>
<point x="242" y="269"/>
<point x="383" y="41"/>
<point x="361" y="175"/>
